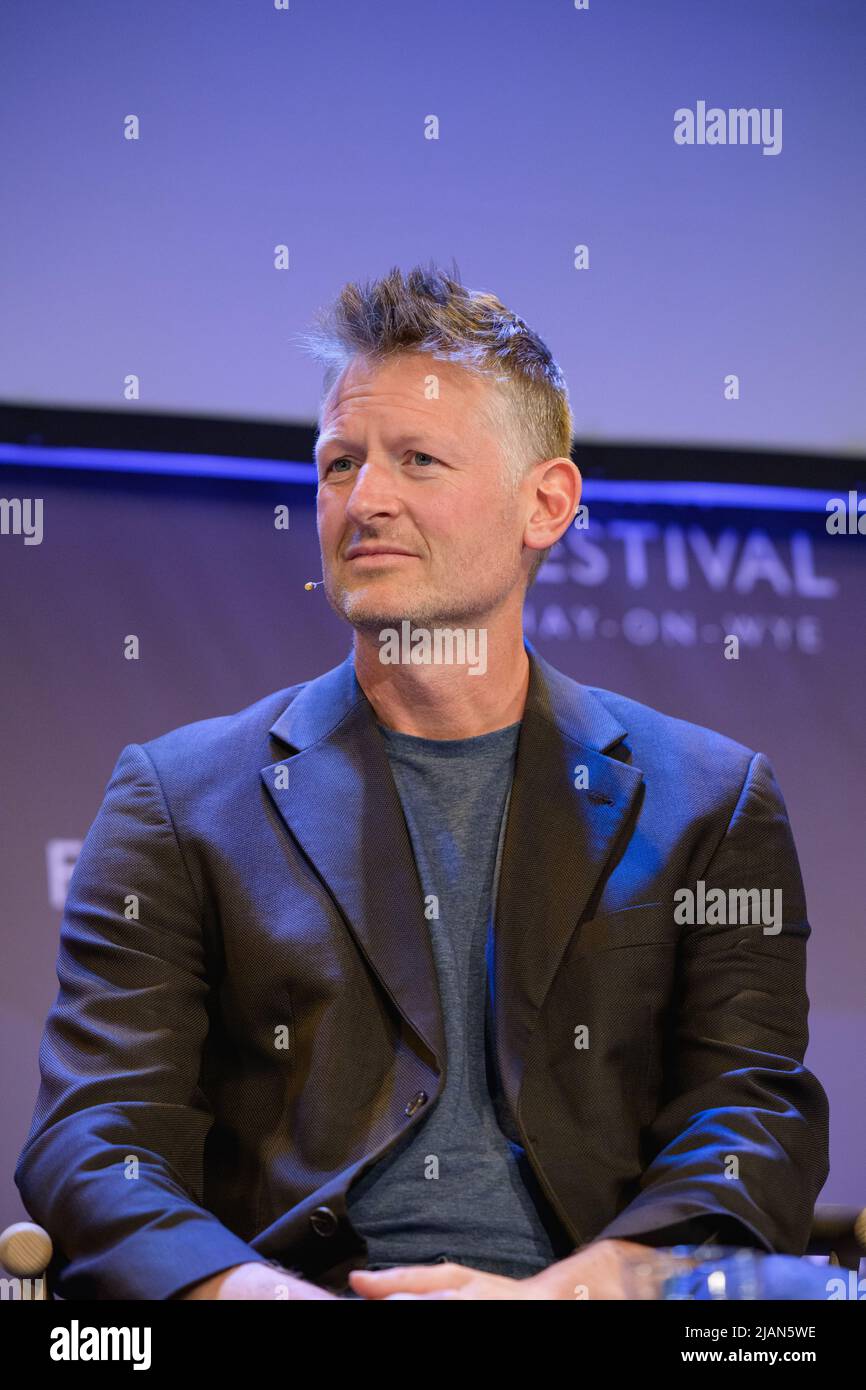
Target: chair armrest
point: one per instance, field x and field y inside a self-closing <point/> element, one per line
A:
<point x="25" y="1253"/>
<point x="840" y="1232"/>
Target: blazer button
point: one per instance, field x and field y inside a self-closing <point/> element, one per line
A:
<point x="323" y="1221"/>
<point x="416" y="1102"/>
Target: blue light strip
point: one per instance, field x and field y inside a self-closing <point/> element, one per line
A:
<point x="754" y="496"/>
<point x="139" y="461"/>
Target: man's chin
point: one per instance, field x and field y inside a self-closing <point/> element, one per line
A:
<point x="369" y="620"/>
<point x="372" y="613"/>
<point x="369" y="610"/>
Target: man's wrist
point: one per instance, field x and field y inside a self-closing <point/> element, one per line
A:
<point x="557" y="1281"/>
<point x="231" y="1282"/>
<point x="564" y="1278"/>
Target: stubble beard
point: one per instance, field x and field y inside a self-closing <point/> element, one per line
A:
<point x="370" y="616"/>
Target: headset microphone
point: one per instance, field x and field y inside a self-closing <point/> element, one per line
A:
<point x="314" y="583"/>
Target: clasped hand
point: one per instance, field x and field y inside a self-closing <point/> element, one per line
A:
<point x="597" y="1271"/>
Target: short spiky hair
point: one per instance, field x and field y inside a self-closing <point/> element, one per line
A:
<point x="428" y="310"/>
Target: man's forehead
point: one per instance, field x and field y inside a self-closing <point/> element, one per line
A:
<point x="413" y="380"/>
<point x="399" y="413"/>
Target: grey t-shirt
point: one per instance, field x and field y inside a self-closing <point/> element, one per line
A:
<point x="461" y="1188"/>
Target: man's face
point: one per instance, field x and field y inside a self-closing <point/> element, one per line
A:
<point x="422" y="475"/>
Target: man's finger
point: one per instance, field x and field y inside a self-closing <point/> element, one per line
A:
<point x="438" y="1293"/>
<point x="375" y="1283"/>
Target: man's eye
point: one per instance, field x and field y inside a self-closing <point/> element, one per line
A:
<point x="416" y="454"/>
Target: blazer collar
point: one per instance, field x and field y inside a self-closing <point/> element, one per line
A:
<point x="337" y="797"/>
<point x="322" y="703"/>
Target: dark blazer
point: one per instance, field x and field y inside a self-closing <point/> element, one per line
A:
<point x="248" y="1014"/>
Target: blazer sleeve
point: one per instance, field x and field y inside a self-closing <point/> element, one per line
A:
<point x="741" y="1144"/>
<point x="112" y="1166"/>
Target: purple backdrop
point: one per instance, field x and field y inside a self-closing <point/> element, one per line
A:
<point x="636" y="603"/>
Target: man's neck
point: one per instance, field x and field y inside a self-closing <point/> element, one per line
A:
<point x="444" y="701"/>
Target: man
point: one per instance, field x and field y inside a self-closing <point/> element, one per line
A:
<point x="386" y="979"/>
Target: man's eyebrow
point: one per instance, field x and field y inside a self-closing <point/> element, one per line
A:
<point x="325" y="440"/>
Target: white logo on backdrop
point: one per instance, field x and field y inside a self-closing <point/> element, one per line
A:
<point x="744" y="569"/>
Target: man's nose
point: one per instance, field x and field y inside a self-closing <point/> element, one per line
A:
<point x="372" y="491"/>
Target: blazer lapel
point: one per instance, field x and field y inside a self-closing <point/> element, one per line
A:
<point x="342" y="806"/>
<point x="558" y="840"/>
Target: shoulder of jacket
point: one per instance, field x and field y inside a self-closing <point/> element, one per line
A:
<point x="222" y="734"/>
<point x="653" y="733"/>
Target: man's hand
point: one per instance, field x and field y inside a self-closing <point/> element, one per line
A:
<point x="604" y="1269"/>
<point x="439" y="1281"/>
<point x="256" y="1280"/>
<point x="599" y="1270"/>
